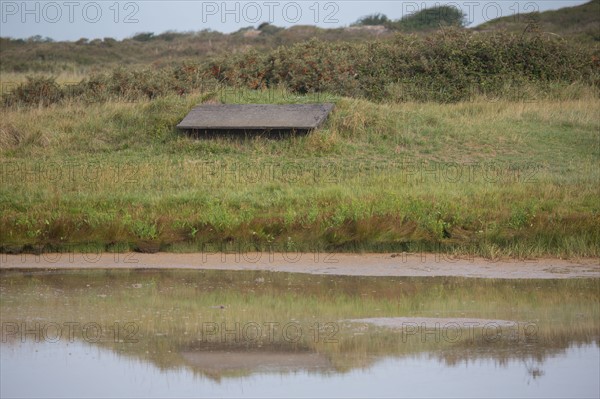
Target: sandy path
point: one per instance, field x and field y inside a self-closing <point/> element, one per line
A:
<point x="314" y="263"/>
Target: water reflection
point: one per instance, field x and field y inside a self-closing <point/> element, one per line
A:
<point x="217" y="363"/>
<point x="81" y="370"/>
<point x="213" y="332"/>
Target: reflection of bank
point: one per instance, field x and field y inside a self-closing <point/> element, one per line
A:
<point x="218" y="359"/>
<point x="365" y="343"/>
<point x="230" y="324"/>
<point x="74" y="370"/>
<point x="221" y="363"/>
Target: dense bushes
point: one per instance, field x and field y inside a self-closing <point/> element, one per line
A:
<point x="121" y="84"/>
<point x="447" y="66"/>
<point x="42" y="91"/>
<point x="373" y="19"/>
<point x="165" y="49"/>
<point x="130" y="85"/>
<point x="427" y="19"/>
<point x="430" y="19"/>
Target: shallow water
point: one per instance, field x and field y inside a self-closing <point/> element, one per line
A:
<point x="217" y="333"/>
<point x="81" y="370"/>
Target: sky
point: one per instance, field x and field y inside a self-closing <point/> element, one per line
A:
<point x="74" y="19"/>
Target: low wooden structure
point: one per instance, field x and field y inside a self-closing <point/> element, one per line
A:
<point x="255" y="118"/>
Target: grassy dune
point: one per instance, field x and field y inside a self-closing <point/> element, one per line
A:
<point x="579" y="23"/>
<point x="489" y="177"/>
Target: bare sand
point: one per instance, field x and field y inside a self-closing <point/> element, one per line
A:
<point x="417" y="265"/>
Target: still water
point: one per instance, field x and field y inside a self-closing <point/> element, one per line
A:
<point x="259" y="334"/>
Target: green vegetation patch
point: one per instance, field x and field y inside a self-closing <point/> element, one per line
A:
<point x="485" y="177"/>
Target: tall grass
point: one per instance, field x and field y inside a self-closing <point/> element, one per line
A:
<point x="493" y="178"/>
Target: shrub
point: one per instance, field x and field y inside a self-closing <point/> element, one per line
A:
<point x="446" y="66"/>
<point x="373" y="19"/>
<point x="268" y="29"/>
<point x="143" y="37"/>
<point x="35" y="91"/>
<point x="430" y="19"/>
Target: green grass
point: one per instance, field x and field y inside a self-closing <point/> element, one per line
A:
<point x="493" y="178"/>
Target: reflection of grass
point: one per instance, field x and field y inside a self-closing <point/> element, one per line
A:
<point x="170" y="308"/>
<point x="492" y="178"/>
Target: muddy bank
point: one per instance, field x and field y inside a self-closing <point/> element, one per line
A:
<point x="318" y="263"/>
